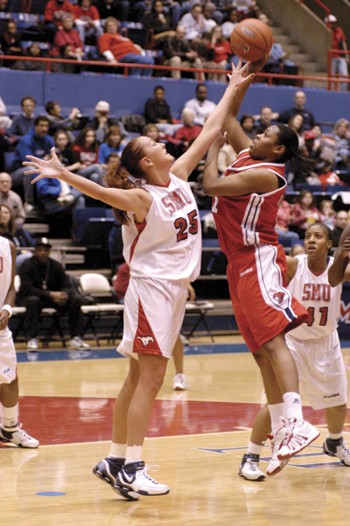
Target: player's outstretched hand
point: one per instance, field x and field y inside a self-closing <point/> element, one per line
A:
<point x="240" y="75"/>
<point x="51" y="168"/>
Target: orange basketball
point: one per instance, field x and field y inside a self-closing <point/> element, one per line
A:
<point x="251" y="39"/>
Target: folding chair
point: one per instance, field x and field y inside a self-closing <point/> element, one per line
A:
<point x="98" y="286"/>
<point x="198" y="310"/>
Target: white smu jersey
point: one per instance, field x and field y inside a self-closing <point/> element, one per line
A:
<point x="168" y="244"/>
<point x="5" y="269"/>
<point x="320" y="299"/>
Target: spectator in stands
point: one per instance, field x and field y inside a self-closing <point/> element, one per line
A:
<point x="297" y="249"/>
<point x="177" y="52"/>
<point x="118" y="49"/>
<point x="298" y="109"/>
<point x="152" y="131"/>
<point x="22" y="123"/>
<point x="283" y="220"/>
<point x="157" y="111"/>
<point x="87" y="21"/>
<point x="328" y="177"/>
<point x="187" y="133"/>
<point x="201" y="106"/>
<point x="66" y="36"/>
<point x="85" y="152"/>
<point x="32" y="51"/>
<point x="340" y="61"/>
<point x="102" y="121"/>
<point x="276" y="59"/>
<point x="10" y="42"/>
<point x="341" y="221"/>
<point x="221" y="52"/>
<point x="11" y="199"/>
<point x="5" y="121"/>
<point x="248" y="124"/>
<point x="117" y="9"/>
<point x="304" y="212"/>
<point x="112" y="144"/>
<point x="36" y="142"/>
<point x="5" y="7"/>
<point x="58" y="121"/>
<point x="19" y="236"/>
<point x="44" y="283"/>
<point x="62" y="142"/>
<point x="193" y="22"/>
<point x="157" y="22"/>
<point x="229" y="22"/>
<point x="296" y="123"/>
<point x="265" y="119"/>
<point x="327" y="213"/>
<point x="54" y="11"/>
<point x="341" y="134"/>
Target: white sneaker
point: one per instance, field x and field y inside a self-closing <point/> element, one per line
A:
<point x="78" y="343"/>
<point x="134" y="477"/>
<point x="249" y="468"/>
<point x="179" y="382"/>
<point x="276" y="465"/>
<point x="337" y="448"/>
<point x="33" y="344"/>
<point x="18" y="437"/>
<point x="298" y="435"/>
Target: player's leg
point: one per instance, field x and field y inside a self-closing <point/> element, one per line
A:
<point x="179" y="380"/>
<point x="334" y="444"/>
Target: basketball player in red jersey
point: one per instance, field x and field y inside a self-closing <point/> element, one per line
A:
<point x="244" y="207"/>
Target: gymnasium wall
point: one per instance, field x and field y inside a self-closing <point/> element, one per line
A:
<point x="128" y="95"/>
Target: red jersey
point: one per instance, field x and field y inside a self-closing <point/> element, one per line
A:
<point x="250" y="219"/>
<point x="338" y="40"/>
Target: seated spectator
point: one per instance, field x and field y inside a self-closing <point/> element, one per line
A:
<point x="117" y="9"/>
<point x="12" y="200"/>
<point x="10" y="42"/>
<point x="32" y="51"/>
<point x="152" y="131"/>
<point x="277" y="58"/>
<point x="298" y="109"/>
<point x="63" y="148"/>
<point x="102" y="121"/>
<point x="304" y="212"/>
<point x="209" y="21"/>
<point x="340" y="222"/>
<point x="285" y="236"/>
<point x="87" y="21"/>
<point x="60" y="122"/>
<point x="67" y="42"/>
<point x="113" y="144"/>
<point x="85" y="152"/>
<point x="221" y="53"/>
<point x="18" y="235"/>
<point x="341" y="134"/>
<point x="22" y="123"/>
<point x="265" y="119"/>
<point x="201" y="106"/>
<point x="328" y="177"/>
<point x="157" y="111"/>
<point x="44" y="283"/>
<point x="157" y="22"/>
<point x="177" y="52"/>
<point x="229" y="22"/>
<point x="54" y="11"/>
<point x="248" y="125"/>
<point x="187" y="133"/>
<point x="118" y="49"/>
<point x="296" y="123"/>
<point x="327" y="213"/>
<point x="193" y="22"/>
<point x="297" y="249"/>
<point x="36" y="142"/>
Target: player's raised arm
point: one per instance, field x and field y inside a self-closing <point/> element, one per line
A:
<point x="339" y="271"/>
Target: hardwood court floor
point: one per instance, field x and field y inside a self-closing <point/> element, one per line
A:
<point x="196" y="437"/>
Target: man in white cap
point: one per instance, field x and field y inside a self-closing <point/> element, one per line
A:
<point x="102" y="121"/>
<point x="339" y="64"/>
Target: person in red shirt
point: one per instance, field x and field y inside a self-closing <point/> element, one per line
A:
<point x="116" y="48"/>
<point x="221" y="50"/>
<point x="87" y="21"/>
<point x="54" y="10"/>
<point x="185" y="135"/>
<point x="67" y="36"/>
<point x="85" y="152"/>
<point x="339" y="65"/>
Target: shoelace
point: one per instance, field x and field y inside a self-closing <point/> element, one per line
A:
<point x="253" y="464"/>
<point x="149" y="467"/>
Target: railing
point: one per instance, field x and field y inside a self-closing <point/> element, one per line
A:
<point x="269" y="78"/>
<point x="322" y="5"/>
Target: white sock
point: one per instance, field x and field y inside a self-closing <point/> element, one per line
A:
<point x="255" y="449"/>
<point x="293" y="407"/>
<point x="133" y="454"/>
<point x="117" y="450"/>
<point x="334" y="436"/>
<point x="276" y="412"/>
<point x="10" y="417"/>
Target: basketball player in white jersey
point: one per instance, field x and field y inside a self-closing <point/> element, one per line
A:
<point x="162" y="246"/>
<point x="11" y="432"/>
<point x="315" y="279"/>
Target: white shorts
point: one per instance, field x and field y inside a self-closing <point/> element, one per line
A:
<point x="153" y="316"/>
<point x="8" y="358"/>
<point x="321" y="369"/>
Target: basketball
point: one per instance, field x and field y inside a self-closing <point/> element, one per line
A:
<point x="251" y="39"/>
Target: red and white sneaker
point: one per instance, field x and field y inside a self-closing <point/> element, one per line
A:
<point x="298" y="435"/>
<point x="276" y="465"/>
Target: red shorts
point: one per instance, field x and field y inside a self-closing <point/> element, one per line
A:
<point x="263" y="306"/>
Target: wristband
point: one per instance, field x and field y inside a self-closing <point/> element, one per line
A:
<point x="8" y="308"/>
